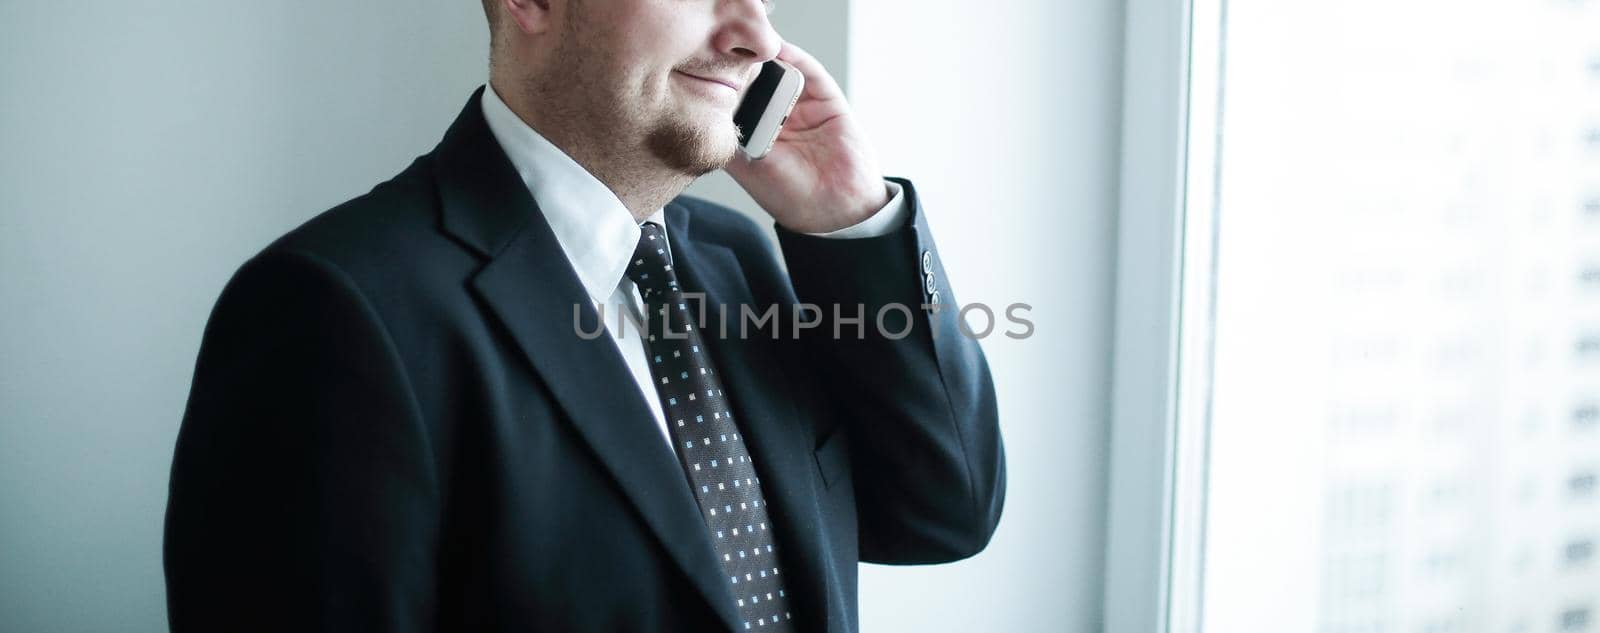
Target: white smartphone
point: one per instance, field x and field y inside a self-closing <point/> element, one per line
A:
<point x="766" y="107"/>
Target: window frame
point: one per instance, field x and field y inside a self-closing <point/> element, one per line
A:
<point x="1162" y="347"/>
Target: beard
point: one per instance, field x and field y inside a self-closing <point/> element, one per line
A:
<point x="690" y="148"/>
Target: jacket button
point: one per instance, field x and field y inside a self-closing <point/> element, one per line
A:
<point x="927" y="261"/>
<point x="933" y="300"/>
<point x="930" y="284"/>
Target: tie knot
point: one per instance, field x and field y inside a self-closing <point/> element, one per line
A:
<point x="651" y="266"/>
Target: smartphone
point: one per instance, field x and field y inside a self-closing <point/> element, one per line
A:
<point x="766" y="107"/>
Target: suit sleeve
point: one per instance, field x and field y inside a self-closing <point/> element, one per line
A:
<point x="914" y="396"/>
<point x="300" y="498"/>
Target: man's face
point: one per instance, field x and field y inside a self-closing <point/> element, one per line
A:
<point x="661" y="75"/>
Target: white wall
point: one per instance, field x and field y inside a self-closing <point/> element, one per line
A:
<point x="1006" y="115"/>
<point x="147" y="147"/>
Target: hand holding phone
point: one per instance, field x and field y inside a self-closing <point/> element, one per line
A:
<point x="822" y="174"/>
<point x="766" y="106"/>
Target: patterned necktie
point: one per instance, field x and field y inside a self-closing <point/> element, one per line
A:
<point x="708" y="442"/>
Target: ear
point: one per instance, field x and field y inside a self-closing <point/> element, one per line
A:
<point x="528" y="16"/>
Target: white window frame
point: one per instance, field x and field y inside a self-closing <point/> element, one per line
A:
<point x="1162" y="347"/>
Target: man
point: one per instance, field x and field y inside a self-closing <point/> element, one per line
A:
<point x="403" y="417"/>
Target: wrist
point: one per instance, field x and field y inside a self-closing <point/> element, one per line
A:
<point x="855" y="213"/>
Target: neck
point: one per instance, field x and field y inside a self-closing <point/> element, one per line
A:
<point x="640" y="180"/>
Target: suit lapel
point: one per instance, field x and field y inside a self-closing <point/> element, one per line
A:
<point x="778" y="443"/>
<point x="531" y="288"/>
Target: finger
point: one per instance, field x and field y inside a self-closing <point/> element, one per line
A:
<point x="819" y="84"/>
<point x="741" y="166"/>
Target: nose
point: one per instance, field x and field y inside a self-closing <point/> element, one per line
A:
<point x="745" y="33"/>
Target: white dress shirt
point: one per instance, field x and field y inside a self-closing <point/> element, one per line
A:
<point x="599" y="234"/>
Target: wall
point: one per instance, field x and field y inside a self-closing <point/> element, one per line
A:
<point x="1006" y="114"/>
<point x="149" y="148"/>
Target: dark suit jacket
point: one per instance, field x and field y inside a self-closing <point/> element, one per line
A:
<point x="394" y="426"/>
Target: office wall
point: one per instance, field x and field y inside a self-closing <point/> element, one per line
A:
<point x="1006" y="114"/>
<point x="146" y="149"/>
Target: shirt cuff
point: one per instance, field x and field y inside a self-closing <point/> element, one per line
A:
<point x="892" y="216"/>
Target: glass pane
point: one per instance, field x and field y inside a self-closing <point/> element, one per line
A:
<point x="1405" y="405"/>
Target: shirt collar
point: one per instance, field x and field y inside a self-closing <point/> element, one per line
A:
<point x="595" y="230"/>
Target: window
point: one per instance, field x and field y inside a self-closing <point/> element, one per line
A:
<point x="1382" y="380"/>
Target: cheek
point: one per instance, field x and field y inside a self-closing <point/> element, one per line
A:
<point x="653" y="86"/>
<point x="647" y="39"/>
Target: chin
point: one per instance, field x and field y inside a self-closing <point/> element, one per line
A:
<point x="695" y="147"/>
<point x="722" y="142"/>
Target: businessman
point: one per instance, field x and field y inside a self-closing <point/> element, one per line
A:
<point x="424" y="410"/>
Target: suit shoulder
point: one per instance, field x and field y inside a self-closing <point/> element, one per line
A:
<point x="395" y="217"/>
<point x="387" y="245"/>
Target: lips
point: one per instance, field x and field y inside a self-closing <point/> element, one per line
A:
<point x="730" y="83"/>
